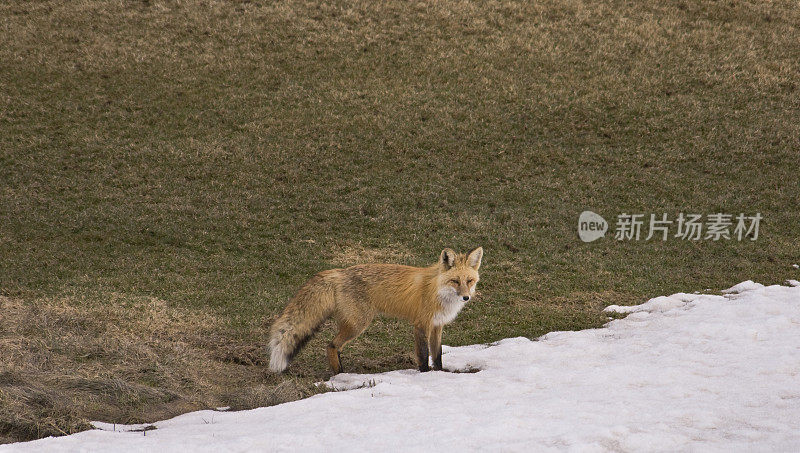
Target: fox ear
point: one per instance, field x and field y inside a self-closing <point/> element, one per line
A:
<point x="474" y="258"/>
<point x="447" y="258"/>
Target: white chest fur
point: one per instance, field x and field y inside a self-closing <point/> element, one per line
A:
<point x="451" y="305"/>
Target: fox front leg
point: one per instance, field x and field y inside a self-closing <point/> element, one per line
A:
<point x="435" y="343"/>
<point x="421" y="348"/>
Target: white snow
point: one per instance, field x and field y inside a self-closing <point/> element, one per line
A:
<point x="686" y="372"/>
<point x="747" y="285"/>
<point x="657" y="304"/>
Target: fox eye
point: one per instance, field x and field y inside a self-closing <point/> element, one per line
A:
<point x="455" y="282"/>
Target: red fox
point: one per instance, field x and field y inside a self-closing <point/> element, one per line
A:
<point x="428" y="297"/>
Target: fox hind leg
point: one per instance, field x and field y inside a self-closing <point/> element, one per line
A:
<point x="347" y="332"/>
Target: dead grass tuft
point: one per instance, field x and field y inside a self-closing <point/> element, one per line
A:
<point x="351" y="254"/>
<point x="272" y="393"/>
<point x="123" y="360"/>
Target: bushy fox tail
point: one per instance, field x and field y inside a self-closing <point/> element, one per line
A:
<point x="305" y="313"/>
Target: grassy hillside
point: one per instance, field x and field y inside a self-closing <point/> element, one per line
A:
<point x="171" y="171"/>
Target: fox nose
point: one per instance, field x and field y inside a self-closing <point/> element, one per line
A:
<point x="466" y="298"/>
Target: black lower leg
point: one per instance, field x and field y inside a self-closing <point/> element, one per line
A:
<point x="339" y="356"/>
<point x="421" y="345"/>
<point x="437" y="359"/>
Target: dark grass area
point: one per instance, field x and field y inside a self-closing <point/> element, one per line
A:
<point x="216" y="154"/>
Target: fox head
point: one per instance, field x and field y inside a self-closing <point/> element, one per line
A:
<point x="458" y="274"/>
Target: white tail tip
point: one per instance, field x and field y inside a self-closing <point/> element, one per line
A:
<point x="278" y="361"/>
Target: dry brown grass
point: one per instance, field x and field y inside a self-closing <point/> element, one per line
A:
<point x="351" y="254"/>
<point x="126" y="360"/>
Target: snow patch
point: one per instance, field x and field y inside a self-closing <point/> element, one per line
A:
<point x="114" y="427"/>
<point x="747" y="285"/>
<point x="684" y="372"/>
<point x="659" y="304"/>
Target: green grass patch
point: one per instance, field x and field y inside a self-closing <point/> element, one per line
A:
<point x="216" y="154"/>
